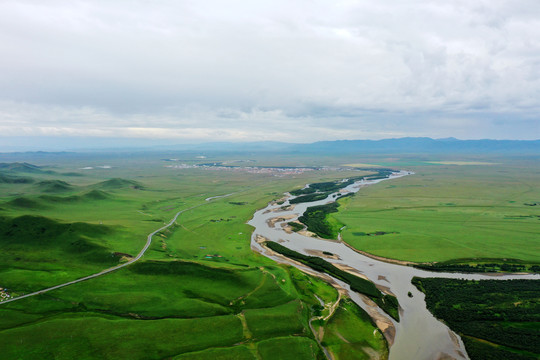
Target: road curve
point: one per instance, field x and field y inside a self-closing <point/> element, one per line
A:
<point x="109" y="270"/>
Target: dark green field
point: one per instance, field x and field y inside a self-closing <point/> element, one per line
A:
<point x="497" y="319"/>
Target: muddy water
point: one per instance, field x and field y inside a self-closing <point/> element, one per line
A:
<point x="418" y="335"/>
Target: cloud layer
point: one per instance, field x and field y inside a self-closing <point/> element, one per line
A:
<point x="270" y="70"/>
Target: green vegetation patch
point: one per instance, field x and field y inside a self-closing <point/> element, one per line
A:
<point x="309" y="198"/>
<point x="351" y="334"/>
<point x="289" y="348"/>
<point x="9" y="179"/>
<point x="239" y="352"/>
<point x="474" y="265"/>
<point x="38" y="243"/>
<point x="286" y="319"/>
<point x="443" y="213"/>
<point x="39" y="231"/>
<point x="93" y="195"/>
<point x="315" y="220"/>
<point x="498" y="319"/>
<point x="305" y="191"/>
<point x="316" y="217"/>
<point x="357" y="284"/>
<point x="23" y="167"/>
<point x="101" y="338"/>
<point x="295" y="226"/>
<point x="119" y="183"/>
<point x="387" y="303"/>
<point x="321" y="190"/>
<point x="23" y="202"/>
<point x="53" y="186"/>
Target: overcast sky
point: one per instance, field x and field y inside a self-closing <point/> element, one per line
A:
<point x="287" y="70"/>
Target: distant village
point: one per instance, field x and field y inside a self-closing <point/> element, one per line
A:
<point x="276" y="171"/>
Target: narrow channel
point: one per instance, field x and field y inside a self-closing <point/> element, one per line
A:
<point x="418" y="335"/>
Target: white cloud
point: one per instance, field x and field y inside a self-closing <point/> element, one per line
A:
<point x="345" y="69"/>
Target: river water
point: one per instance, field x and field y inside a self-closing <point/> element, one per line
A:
<point x="418" y="335"/>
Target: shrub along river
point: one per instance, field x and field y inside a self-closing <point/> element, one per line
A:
<point x="418" y="335"/>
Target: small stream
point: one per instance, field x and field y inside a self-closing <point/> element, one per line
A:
<point x="418" y="335"/>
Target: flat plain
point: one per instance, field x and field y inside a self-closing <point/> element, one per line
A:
<point x="448" y="212"/>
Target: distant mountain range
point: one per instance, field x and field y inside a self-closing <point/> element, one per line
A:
<point x="389" y="146"/>
<point x="423" y="145"/>
<point x="410" y="145"/>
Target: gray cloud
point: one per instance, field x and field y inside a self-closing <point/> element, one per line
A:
<point x="266" y="70"/>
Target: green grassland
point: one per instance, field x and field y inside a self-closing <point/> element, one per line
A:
<point x="199" y="291"/>
<point x="353" y="337"/>
<point x="474" y="213"/>
<point x="496" y="319"/>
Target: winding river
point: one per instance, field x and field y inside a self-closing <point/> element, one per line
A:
<point x="418" y="335"/>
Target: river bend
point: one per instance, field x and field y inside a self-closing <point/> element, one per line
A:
<point x="418" y="335"/>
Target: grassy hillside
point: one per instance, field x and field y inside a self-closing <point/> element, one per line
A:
<point x="23" y="167"/>
<point x="53" y="186"/>
<point x="118" y="183"/>
<point x="353" y="337"/>
<point x="36" y="251"/>
<point x="10" y="179"/>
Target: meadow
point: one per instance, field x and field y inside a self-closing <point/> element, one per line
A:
<point x="351" y="337"/>
<point x="470" y="214"/>
<point x="199" y="291"/>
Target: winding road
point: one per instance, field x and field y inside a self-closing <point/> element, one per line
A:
<point x="109" y="270"/>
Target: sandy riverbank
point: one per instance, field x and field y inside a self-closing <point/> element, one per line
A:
<point x="382" y="322"/>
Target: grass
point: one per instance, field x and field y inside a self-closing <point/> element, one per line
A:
<point x="53" y="186"/>
<point x="91" y="337"/>
<point x="239" y="352"/>
<point x="293" y="348"/>
<point x="351" y="334"/>
<point x="278" y="321"/>
<point x="189" y="294"/>
<point x="33" y="247"/>
<point x="448" y="212"/>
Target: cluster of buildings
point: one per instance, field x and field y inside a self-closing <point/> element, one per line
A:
<point x="277" y="171"/>
<point x="4" y="295"/>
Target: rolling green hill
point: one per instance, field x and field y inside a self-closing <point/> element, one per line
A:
<point x="53" y="186"/>
<point x="119" y="183"/>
